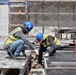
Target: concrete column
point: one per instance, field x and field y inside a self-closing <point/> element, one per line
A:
<point x="4" y="20"/>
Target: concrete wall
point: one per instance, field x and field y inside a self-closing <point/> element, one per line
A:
<point x="4" y="20"/>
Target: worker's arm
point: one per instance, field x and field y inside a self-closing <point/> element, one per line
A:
<point x="52" y="44"/>
<point x="22" y="36"/>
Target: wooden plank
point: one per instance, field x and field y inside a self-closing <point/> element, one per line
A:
<point x="17" y="13"/>
<point x="38" y="71"/>
<point x="16" y="0"/>
<point x="7" y="62"/>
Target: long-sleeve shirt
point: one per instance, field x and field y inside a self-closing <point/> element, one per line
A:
<point x="42" y="48"/>
<point x="22" y="36"/>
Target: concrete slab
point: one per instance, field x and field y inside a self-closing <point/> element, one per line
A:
<point x="63" y="57"/>
<point x="63" y="63"/>
<point x="8" y="63"/>
<point x="60" y="72"/>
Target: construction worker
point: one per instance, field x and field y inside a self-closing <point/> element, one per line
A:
<point x="47" y="43"/>
<point x="16" y="41"/>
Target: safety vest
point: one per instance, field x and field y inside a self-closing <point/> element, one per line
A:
<point x="46" y="43"/>
<point x="10" y="38"/>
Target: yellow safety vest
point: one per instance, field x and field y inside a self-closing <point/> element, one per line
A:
<point x="10" y="38"/>
<point x="46" y="43"/>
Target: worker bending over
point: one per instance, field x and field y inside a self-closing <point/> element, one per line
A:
<point x="16" y="41"/>
<point x="47" y="43"/>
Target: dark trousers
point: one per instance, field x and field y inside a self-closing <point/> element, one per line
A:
<point x="43" y="49"/>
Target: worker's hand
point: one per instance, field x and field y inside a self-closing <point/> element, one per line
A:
<point x="33" y="56"/>
<point x="46" y="55"/>
<point x="36" y="52"/>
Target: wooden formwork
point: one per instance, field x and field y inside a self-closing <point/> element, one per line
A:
<point x="61" y="72"/>
<point x="9" y="66"/>
<point x="38" y="72"/>
<point x="63" y="63"/>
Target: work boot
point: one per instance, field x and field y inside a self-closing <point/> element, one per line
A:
<point x="9" y="54"/>
<point x="24" y="54"/>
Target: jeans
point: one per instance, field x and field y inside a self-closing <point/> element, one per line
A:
<point x="56" y="48"/>
<point x="17" y="47"/>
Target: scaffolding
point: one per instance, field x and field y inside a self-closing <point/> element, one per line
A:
<point x="55" y="13"/>
<point x="49" y="16"/>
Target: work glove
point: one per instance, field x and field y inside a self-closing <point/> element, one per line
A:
<point x="35" y="54"/>
<point x="46" y="55"/>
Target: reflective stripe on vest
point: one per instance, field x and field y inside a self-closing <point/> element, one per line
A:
<point x="10" y="38"/>
<point x="46" y="43"/>
<point x="56" y="41"/>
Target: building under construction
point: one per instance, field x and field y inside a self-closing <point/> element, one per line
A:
<point x="55" y="17"/>
<point x="49" y="16"/>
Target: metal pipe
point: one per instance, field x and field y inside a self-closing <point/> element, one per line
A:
<point x="42" y="15"/>
<point x="26" y="9"/>
<point x="58" y="14"/>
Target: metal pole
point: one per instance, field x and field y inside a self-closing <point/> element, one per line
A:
<point x="74" y="15"/>
<point x="26" y="9"/>
<point x="42" y="15"/>
<point x="9" y="27"/>
<point x="0" y="15"/>
<point x="58" y="15"/>
<point x="58" y="18"/>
